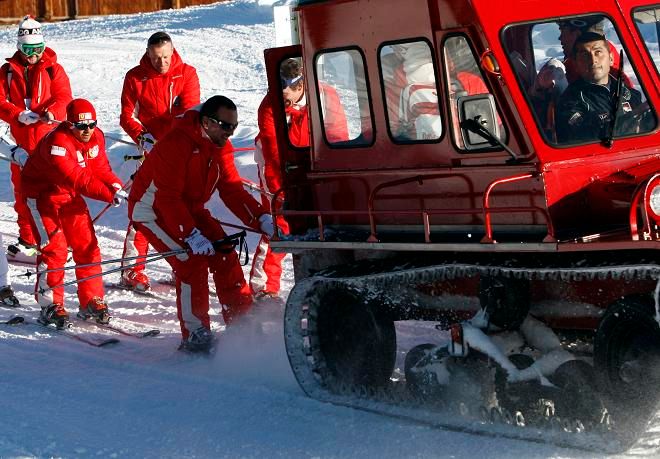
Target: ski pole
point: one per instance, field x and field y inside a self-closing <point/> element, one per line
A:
<point x="120" y="140"/>
<point x="126" y="187"/>
<point x="104" y="273"/>
<point x="244" y="228"/>
<point x="28" y="274"/>
<point x="222" y="245"/>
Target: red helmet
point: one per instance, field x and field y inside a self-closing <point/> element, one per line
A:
<point x="80" y="110"/>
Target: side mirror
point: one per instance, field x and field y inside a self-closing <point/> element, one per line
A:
<point x="478" y="120"/>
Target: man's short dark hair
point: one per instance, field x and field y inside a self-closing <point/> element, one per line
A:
<point x="290" y="69"/>
<point x="588" y="37"/>
<point x="212" y="105"/>
<point x="159" y="39"/>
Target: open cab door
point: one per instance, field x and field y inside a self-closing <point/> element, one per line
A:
<point x="295" y="160"/>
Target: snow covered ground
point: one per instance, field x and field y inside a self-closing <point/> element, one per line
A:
<point x="142" y="398"/>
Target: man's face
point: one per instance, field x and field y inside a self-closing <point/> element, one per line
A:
<point x="161" y="56"/>
<point x="221" y="126"/>
<point x="33" y="56"/>
<point x="593" y="61"/>
<point x="84" y="134"/>
<point x="292" y="94"/>
<point x="567" y="37"/>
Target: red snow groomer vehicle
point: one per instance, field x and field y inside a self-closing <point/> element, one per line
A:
<point x="478" y="246"/>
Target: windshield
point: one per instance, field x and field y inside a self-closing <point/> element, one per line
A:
<point x="578" y="80"/>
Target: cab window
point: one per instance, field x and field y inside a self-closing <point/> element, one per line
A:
<point x="344" y="98"/>
<point x="647" y="21"/>
<point x="411" y="93"/>
<point x="464" y="79"/>
<point x="580" y="85"/>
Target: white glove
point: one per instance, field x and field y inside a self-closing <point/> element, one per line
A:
<point x="120" y="195"/>
<point x="199" y="244"/>
<point x="147" y="141"/>
<point x="19" y="156"/>
<point x="28" y="117"/>
<point x="266" y="225"/>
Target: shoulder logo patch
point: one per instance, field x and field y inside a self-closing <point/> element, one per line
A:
<point x="57" y="151"/>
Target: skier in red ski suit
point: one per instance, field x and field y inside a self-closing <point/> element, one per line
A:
<point x="69" y="163"/>
<point x="267" y="265"/>
<point x="167" y="202"/>
<point x="160" y="88"/>
<point x="34" y="90"/>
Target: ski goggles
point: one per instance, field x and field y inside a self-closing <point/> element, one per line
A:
<point x="81" y="126"/>
<point x="31" y="50"/>
<point x="225" y="126"/>
<point x="286" y="82"/>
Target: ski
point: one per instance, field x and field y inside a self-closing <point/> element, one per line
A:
<point x="140" y="335"/>
<point x="13" y="321"/>
<point x="66" y="333"/>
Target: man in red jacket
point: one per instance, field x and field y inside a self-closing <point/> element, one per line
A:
<point x="69" y="163"/>
<point x="267" y="265"/>
<point x="34" y="91"/>
<point x="167" y="202"/>
<point x="155" y="92"/>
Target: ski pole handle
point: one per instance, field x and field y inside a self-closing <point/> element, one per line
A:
<point x="126" y="187"/>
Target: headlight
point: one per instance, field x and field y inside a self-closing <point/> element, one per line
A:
<point x="654" y="200"/>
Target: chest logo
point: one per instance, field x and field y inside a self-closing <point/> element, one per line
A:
<point x="93" y="152"/>
<point x="57" y="151"/>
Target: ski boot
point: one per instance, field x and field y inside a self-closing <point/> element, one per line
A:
<point x="199" y="341"/>
<point x="54" y="314"/>
<point x="265" y="295"/>
<point x="97" y="309"/>
<point x="134" y="280"/>
<point x="7" y="297"/>
<point x="22" y="252"/>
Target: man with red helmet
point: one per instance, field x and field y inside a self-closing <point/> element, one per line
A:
<point x="155" y="92"/>
<point x="34" y="91"/>
<point x="69" y="163"/>
<point x="267" y="265"/>
<point x="166" y="202"/>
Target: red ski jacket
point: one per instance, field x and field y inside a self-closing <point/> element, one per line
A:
<point x="267" y="155"/>
<point x="46" y="87"/>
<point x="150" y="101"/>
<point x="179" y="177"/>
<point x="62" y="165"/>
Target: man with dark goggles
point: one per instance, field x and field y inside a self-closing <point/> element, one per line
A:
<point x="224" y="125"/>
<point x="34" y="93"/>
<point x="32" y="50"/>
<point x="287" y="82"/>
<point x="83" y="125"/>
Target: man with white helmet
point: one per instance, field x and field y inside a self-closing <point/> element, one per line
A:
<point x="34" y="91"/>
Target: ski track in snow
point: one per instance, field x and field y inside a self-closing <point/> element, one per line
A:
<point x="143" y="398"/>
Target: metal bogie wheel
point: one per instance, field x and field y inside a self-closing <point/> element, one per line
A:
<point x="627" y="363"/>
<point x="421" y="381"/>
<point x="356" y="340"/>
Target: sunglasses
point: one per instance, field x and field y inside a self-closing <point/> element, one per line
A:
<point x="82" y="126"/>
<point x="286" y="82"/>
<point x="31" y="50"/>
<point x="229" y="127"/>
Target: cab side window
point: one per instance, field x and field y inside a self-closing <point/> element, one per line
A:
<point x="344" y="98"/>
<point x="582" y="87"/>
<point x="647" y="21"/>
<point x="411" y="94"/>
<point x="464" y="79"/>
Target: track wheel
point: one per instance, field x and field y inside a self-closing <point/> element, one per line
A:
<point x="627" y="362"/>
<point x="357" y="340"/>
<point x="426" y="371"/>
